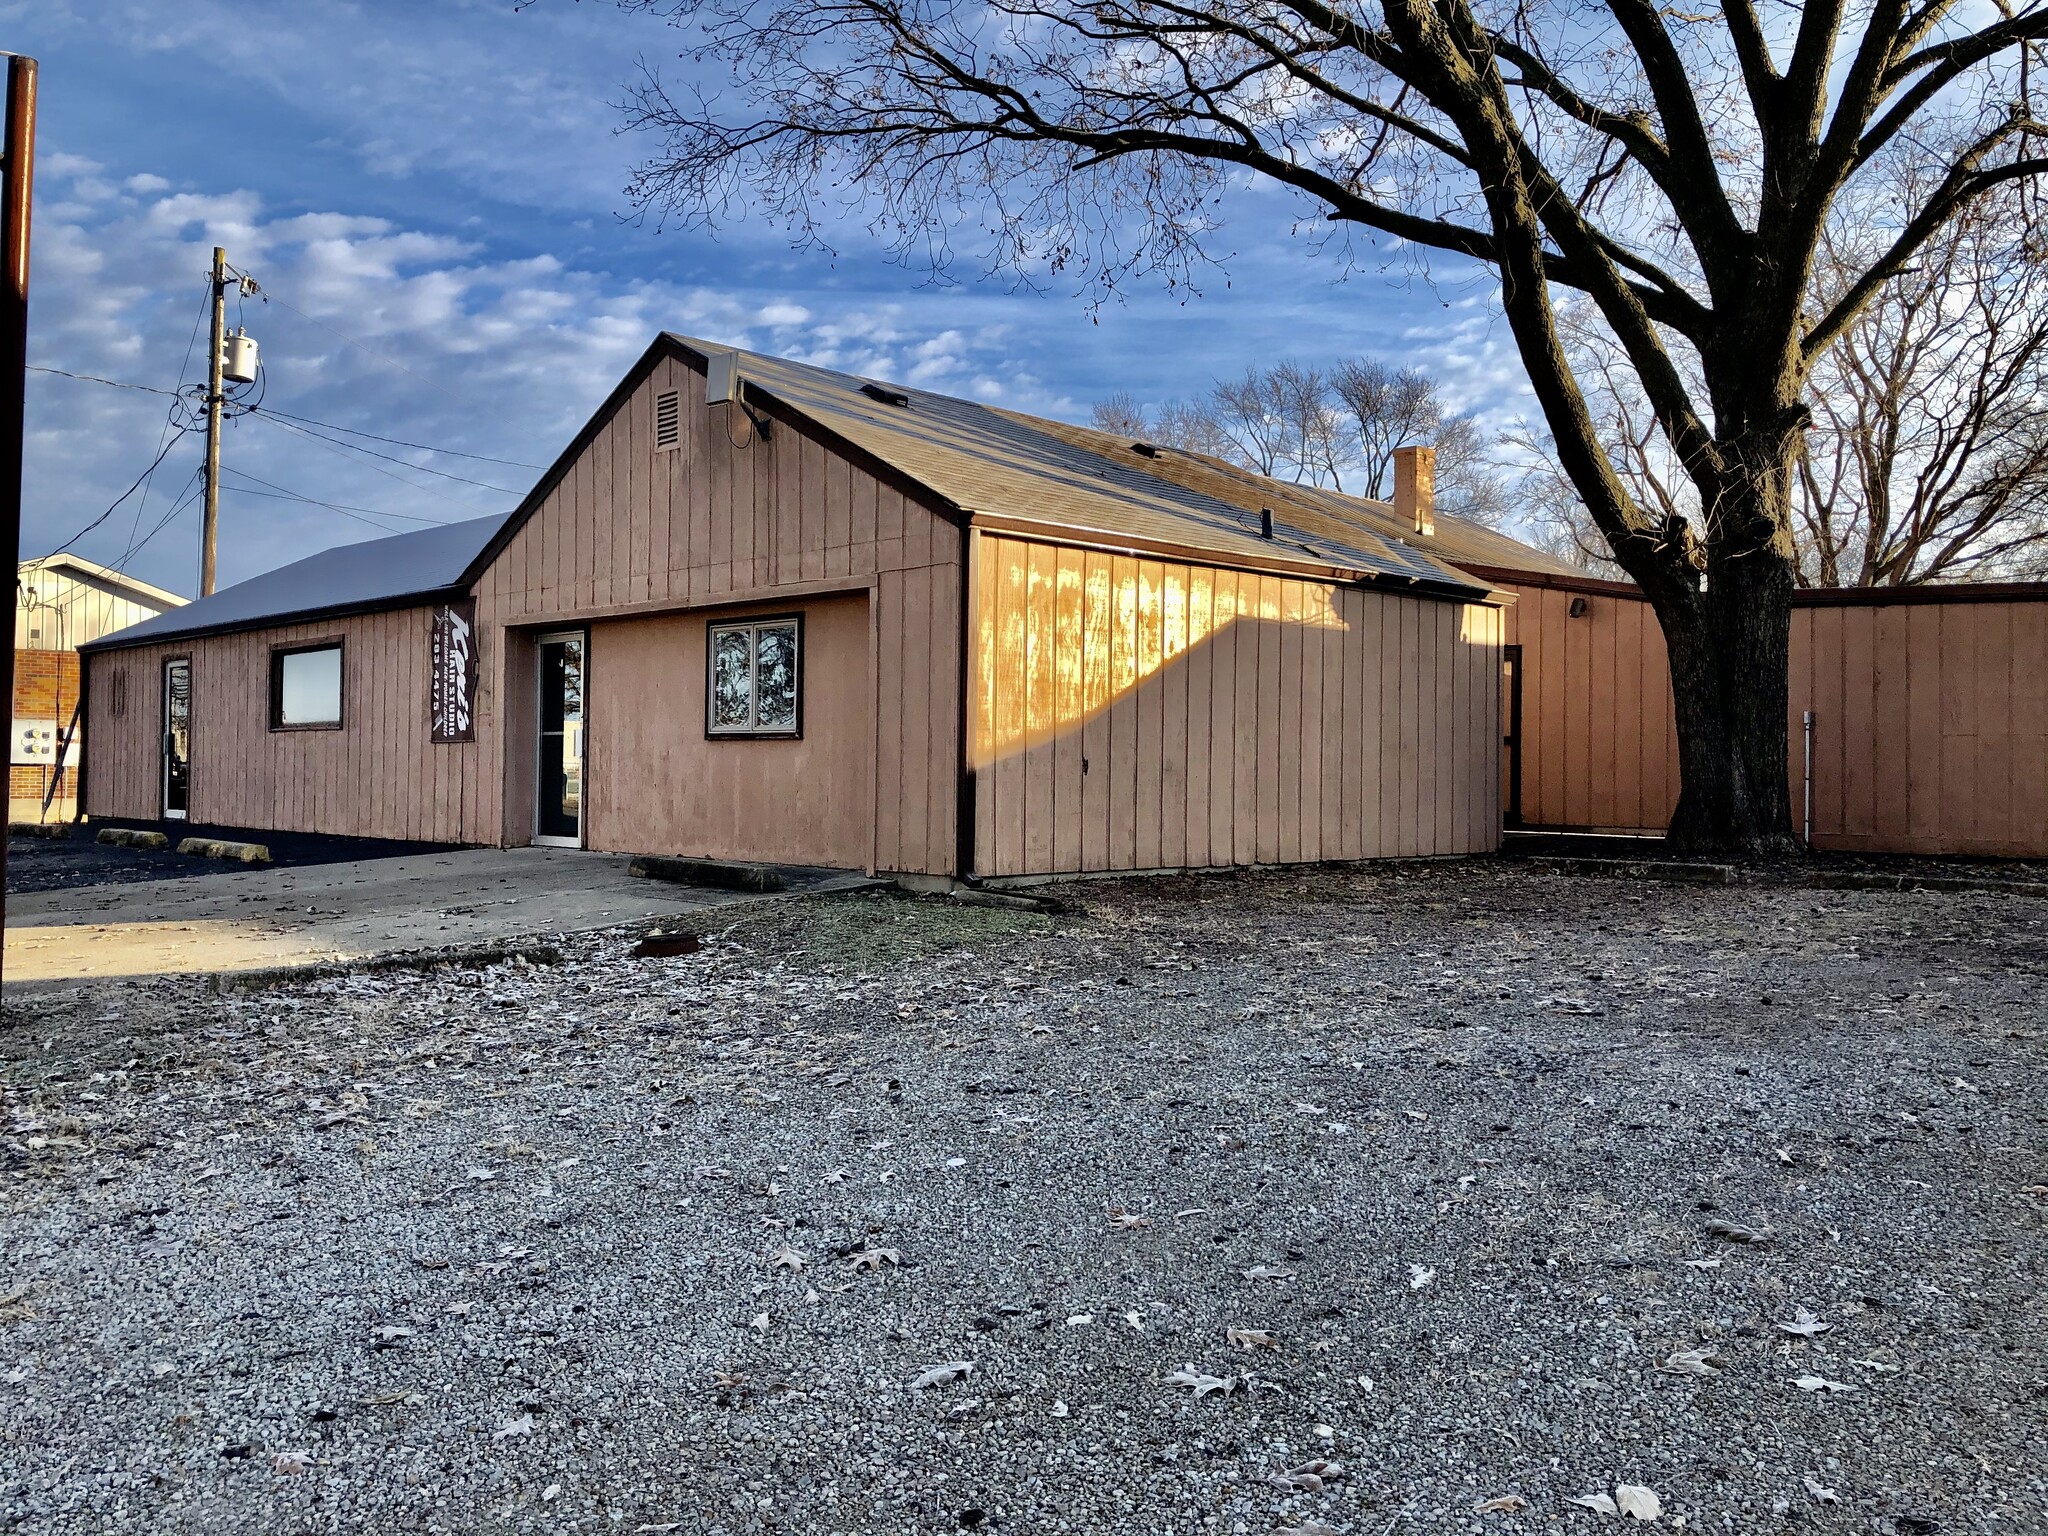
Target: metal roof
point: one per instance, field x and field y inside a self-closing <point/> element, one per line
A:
<point x="353" y="578"/>
<point x="1071" y="480"/>
<point x="1321" y="511"/>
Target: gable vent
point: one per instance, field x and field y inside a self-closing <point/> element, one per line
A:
<point x="886" y="395"/>
<point x="668" y="418"/>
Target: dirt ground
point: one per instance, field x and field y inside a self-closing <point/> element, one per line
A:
<point x="1446" y="1198"/>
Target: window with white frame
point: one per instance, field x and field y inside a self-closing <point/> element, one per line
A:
<point x="755" y="681"/>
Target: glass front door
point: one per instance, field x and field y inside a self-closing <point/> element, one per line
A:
<point x="560" y="818"/>
<point x="177" y="738"/>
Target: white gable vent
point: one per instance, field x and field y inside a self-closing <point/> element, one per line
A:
<point x="668" y="418"/>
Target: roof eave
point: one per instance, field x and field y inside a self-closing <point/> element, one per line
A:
<point x="1077" y="537"/>
<point x="422" y="599"/>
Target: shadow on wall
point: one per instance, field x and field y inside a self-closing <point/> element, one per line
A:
<point x="1133" y="714"/>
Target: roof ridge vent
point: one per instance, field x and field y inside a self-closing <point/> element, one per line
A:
<point x="888" y="396"/>
<point x="1149" y="450"/>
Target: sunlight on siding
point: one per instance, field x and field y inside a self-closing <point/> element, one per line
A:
<point x="1072" y="631"/>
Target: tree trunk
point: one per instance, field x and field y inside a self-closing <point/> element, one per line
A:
<point x="1730" y="648"/>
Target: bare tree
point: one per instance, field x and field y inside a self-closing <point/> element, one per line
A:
<point x="1928" y="459"/>
<point x="1678" y="167"/>
<point x="1192" y="425"/>
<point x="1252" y="414"/>
<point x="1390" y="407"/>
<point x="1121" y="415"/>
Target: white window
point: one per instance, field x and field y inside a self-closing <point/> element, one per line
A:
<point x="754" y="682"/>
<point x="305" y="688"/>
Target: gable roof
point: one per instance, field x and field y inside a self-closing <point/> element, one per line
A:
<point x="104" y="577"/>
<point x="397" y="572"/>
<point x="1072" y="482"/>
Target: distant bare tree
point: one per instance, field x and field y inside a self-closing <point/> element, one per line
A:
<point x="1192" y="425"/>
<point x="1928" y="456"/>
<point x="1253" y="418"/>
<point x="1121" y="416"/>
<point x="1391" y="407"/>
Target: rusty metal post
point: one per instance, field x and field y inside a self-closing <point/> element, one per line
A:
<point x="17" y="180"/>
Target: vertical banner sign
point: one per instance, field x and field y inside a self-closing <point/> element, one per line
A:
<point x="455" y="662"/>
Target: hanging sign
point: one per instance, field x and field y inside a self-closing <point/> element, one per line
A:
<point x="455" y="665"/>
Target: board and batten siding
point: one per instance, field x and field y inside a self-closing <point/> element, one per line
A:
<point x="726" y="518"/>
<point x="1131" y="713"/>
<point x="1930" y="725"/>
<point x="378" y="776"/>
<point x="1599" y="740"/>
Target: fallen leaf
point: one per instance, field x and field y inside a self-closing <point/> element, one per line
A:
<point x="1419" y="1275"/>
<point x="787" y="1258"/>
<point x="759" y="1322"/>
<point x="1879" y="1365"/>
<point x="1201" y="1383"/>
<point x="873" y="1259"/>
<point x="514" y="1429"/>
<point x="291" y="1463"/>
<point x="1060" y="1410"/>
<point x="1805" y="1325"/>
<point x="1821" y="1495"/>
<point x="549" y="1494"/>
<point x="1268" y="1272"/>
<point x="1506" y="1504"/>
<point x="1251" y="1338"/>
<point x="939" y="1375"/>
<point x="1128" y="1220"/>
<point x="1702" y="1263"/>
<point x="1736" y="1232"/>
<point x="1309" y="1477"/>
<point x="1704" y="1361"/>
<point x="1600" y="1503"/>
<point x="1637" y="1502"/>
<point x="1822" y="1384"/>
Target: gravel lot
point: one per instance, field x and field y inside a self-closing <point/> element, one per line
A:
<point x="649" y="1245"/>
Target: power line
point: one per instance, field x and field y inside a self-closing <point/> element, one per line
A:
<point x="88" y="528"/>
<point x="291" y="425"/>
<point x="310" y="421"/>
<point x="93" y="378"/>
<point x="243" y="490"/>
<point x="184" y="363"/>
<point x="291" y="495"/>
<point x="402" y="443"/>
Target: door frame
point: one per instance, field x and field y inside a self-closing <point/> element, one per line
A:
<point x="163" y="740"/>
<point x="1511" y="663"/>
<point x="539" y="839"/>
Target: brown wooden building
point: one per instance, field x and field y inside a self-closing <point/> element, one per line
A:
<point x="763" y="610"/>
<point x="1922" y="711"/>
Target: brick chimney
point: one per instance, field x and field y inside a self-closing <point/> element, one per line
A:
<point x="1415" y="488"/>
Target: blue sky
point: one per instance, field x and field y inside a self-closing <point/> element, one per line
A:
<point x="431" y="194"/>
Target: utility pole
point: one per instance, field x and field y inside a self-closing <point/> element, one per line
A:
<point x="17" y="176"/>
<point x="210" y="533"/>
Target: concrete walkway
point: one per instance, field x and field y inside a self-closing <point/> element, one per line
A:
<point x="248" y="919"/>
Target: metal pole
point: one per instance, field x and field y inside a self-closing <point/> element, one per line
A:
<point x="1808" y="722"/>
<point x="210" y="528"/>
<point x="16" y="183"/>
